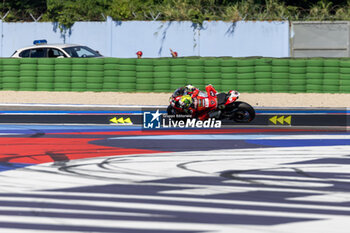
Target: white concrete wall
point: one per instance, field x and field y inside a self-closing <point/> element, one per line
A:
<point x="124" y="39"/>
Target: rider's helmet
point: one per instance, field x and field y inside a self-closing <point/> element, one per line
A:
<point x="190" y="88"/>
<point x="185" y="101"/>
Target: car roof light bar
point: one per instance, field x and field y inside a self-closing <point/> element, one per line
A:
<point x="39" y="42"/>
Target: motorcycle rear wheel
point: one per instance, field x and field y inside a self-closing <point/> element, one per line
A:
<point x="243" y="113"/>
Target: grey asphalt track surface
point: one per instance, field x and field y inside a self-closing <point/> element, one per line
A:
<point x="120" y="178"/>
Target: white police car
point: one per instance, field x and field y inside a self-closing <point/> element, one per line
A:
<point x="42" y="49"/>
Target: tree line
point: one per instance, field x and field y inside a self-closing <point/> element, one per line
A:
<point x="66" y="12"/>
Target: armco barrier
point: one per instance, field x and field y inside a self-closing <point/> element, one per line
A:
<point x="272" y="75"/>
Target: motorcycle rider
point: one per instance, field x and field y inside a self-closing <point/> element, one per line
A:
<point x="186" y="103"/>
<point x="189" y="103"/>
<point x="212" y="92"/>
<point x="187" y="93"/>
<point x="186" y="90"/>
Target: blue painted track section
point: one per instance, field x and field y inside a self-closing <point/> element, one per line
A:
<point x="271" y="140"/>
<point x="32" y="128"/>
<point x="12" y="166"/>
<point x="301" y="143"/>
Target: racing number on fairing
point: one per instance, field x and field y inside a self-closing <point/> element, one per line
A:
<point x="203" y="103"/>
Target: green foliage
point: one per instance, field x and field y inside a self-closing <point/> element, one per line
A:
<point x="321" y="10"/>
<point x="67" y="12"/>
<point x="19" y="10"/>
<point x="131" y="9"/>
<point x="121" y="9"/>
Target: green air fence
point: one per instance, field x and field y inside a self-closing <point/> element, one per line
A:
<point x="258" y="75"/>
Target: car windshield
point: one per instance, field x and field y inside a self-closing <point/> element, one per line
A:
<point x="81" y="51"/>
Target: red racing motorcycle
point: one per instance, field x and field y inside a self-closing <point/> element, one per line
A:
<point x="211" y="103"/>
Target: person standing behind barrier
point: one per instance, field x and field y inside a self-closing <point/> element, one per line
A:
<point x="173" y="54"/>
<point x="139" y="54"/>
